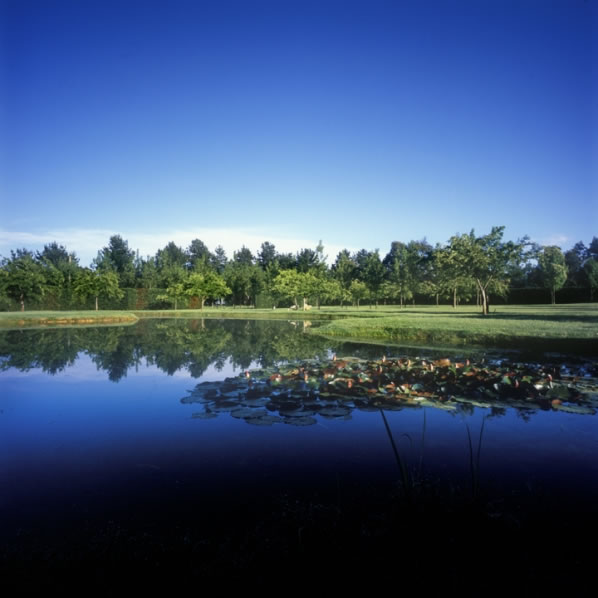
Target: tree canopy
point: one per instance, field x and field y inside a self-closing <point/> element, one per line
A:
<point x="468" y="267"/>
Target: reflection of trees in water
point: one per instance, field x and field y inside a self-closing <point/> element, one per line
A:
<point x="50" y="350"/>
<point x="266" y="344"/>
<point x="170" y="345"/>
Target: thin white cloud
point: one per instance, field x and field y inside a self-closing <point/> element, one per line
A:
<point x="555" y="239"/>
<point x="86" y="242"/>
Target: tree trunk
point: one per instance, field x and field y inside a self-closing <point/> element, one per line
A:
<point x="553" y="295"/>
<point x="455" y="298"/>
<point x="483" y="298"/>
<point x="96" y="303"/>
<point x="437" y="300"/>
<point x="175" y="303"/>
<point x="201" y="303"/>
<point x="22" y="303"/>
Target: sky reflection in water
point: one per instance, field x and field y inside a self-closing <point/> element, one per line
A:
<point x="102" y="416"/>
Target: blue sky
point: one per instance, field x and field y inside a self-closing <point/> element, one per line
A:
<point x="357" y="123"/>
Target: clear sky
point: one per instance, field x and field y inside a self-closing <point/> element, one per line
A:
<point x="237" y="122"/>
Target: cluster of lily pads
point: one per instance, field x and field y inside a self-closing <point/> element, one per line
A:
<point x="296" y="393"/>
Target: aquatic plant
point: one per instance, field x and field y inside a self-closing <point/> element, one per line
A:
<point x="474" y="465"/>
<point x="407" y="483"/>
<point x="298" y="393"/>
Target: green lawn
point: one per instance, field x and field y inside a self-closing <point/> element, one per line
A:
<point x="552" y="327"/>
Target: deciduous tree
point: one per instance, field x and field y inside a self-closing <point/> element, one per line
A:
<point x="553" y="269"/>
<point x="206" y="285"/>
<point x="486" y="261"/>
<point x="90" y="283"/>
<point x="23" y="279"/>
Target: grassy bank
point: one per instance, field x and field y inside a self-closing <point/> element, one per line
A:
<point x="561" y="327"/>
<point x="241" y="313"/>
<point x="64" y="318"/>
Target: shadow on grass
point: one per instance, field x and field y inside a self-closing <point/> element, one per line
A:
<point x="496" y="314"/>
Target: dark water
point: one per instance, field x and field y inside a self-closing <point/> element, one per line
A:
<point x="107" y="471"/>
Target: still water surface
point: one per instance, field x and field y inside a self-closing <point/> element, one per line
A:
<point x="101" y="446"/>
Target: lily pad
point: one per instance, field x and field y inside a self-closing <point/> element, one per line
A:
<point x="204" y="415"/>
<point x="334" y="412"/>
<point x="300" y="421"/>
<point x="247" y="412"/>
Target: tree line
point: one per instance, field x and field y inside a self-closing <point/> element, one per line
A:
<point x="465" y="268"/>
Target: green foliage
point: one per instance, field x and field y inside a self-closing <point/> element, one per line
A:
<point x="358" y="291"/>
<point x="373" y="274"/>
<point x="467" y="268"/>
<point x="90" y="283"/>
<point x="485" y="261"/>
<point x="205" y="286"/>
<point x="218" y="260"/>
<point x="244" y="279"/>
<point x="266" y="255"/>
<point x="174" y="293"/>
<point x="118" y="258"/>
<point x="199" y="256"/>
<point x="553" y="269"/>
<point x="590" y="269"/>
<point x="22" y="278"/>
<point x="343" y="270"/>
<point x="243" y="256"/>
<point x="290" y="285"/>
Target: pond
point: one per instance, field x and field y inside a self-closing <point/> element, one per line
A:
<point x="177" y="451"/>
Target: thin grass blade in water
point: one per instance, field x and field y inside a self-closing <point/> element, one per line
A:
<point x="400" y="462"/>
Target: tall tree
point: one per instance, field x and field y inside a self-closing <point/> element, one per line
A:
<point x="55" y="254"/>
<point x="592" y="250"/>
<point x="307" y="260"/>
<point x="146" y="272"/>
<point x="199" y="256"/>
<point x="373" y="274"/>
<point x="553" y="269"/>
<point x="397" y="270"/>
<point x="590" y="269"/>
<point x="266" y="255"/>
<point x="171" y="255"/>
<point x="360" y="259"/>
<point x="486" y="261"/>
<point x="118" y="258"/>
<point x="60" y="269"/>
<point x="287" y="261"/>
<point x="245" y="280"/>
<point x="22" y="279"/>
<point x="218" y="260"/>
<point x="343" y="270"/>
<point x="243" y="256"/>
<point x="574" y="260"/>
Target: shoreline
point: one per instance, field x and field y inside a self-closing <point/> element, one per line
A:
<point x="566" y="328"/>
